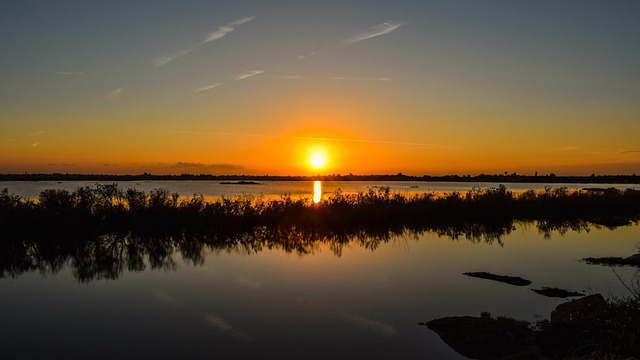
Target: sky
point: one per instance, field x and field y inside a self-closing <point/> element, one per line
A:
<point x="320" y="87"/>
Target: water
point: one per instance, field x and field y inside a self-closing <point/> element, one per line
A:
<point x="359" y="299"/>
<point x="274" y="189"/>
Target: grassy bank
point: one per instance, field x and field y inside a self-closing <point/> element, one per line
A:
<point x="104" y="209"/>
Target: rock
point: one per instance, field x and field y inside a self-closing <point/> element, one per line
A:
<point x="512" y="280"/>
<point x="486" y="337"/>
<point x="579" y="311"/>
<point x="555" y="292"/>
<point x="633" y="260"/>
<point x="634" y="257"/>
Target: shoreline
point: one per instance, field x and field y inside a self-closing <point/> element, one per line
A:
<point x="495" y="178"/>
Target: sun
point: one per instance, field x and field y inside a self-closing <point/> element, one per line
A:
<point x="317" y="158"/>
<point x="318" y="161"/>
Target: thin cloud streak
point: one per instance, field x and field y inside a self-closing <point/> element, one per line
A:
<point x="629" y="151"/>
<point x="114" y="93"/>
<point x="69" y="73"/>
<point x="242" y="76"/>
<point x="209" y="87"/>
<point x="375" y="31"/>
<point x="247" y="74"/>
<point x="161" y="60"/>
<point x="286" y="77"/>
<point x="222" y="166"/>
<point x="216" y="35"/>
<point x="568" y="148"/>
<point x="224" y="30"/>
<point x="36" y="133"/>
<point x="301" y="138"/>
<point x="360" y="78"/>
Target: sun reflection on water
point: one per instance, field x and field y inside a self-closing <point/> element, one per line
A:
<point x="317" y="191"/>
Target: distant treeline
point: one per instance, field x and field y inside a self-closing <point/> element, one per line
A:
<point x="496" y="178"/>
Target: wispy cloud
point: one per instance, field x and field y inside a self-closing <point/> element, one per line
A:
<point x="69" y="73"/>
<point x="209" y="87"/>
<point x="161" y="60"/>
<point x="7" y="141"/>
<point x="247" y="74"/>
<point x="241" y="76"/>
<point x="114" y="94"/>
<point x="357" y="78"/>
<point x="287" y="77"/>
<point x="35" y="144"/>
<point x="345" y="78"/>
<point x="216" y="35"/>
<point x="36" y="133"/>
<point x="568" y="148"/>
<point x="374" y="31"/>
<point x="223" y="166"/>
<point x="629" y="151"/>
<point x="224" y="30"/>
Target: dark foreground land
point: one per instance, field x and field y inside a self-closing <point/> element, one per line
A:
<point x="588" y="328"/>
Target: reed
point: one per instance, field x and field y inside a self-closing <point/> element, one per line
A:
<point x="102" y="209"/>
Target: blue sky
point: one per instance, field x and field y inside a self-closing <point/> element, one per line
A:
<point x="420" y="86"/>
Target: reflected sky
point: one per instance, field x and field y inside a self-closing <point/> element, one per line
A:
<point x="247" y="303"/>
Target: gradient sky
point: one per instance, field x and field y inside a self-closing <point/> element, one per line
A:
<point x="253" y="87"/>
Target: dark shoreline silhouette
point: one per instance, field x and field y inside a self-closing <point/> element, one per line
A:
<point x="491" y="178"/>
<point x="101" y="209"/>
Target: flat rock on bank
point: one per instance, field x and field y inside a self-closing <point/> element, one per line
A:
<point x="487" y="338"/>
<point x="512" y="280"/>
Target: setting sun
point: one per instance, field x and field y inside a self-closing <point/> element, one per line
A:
<point x="317" y="158"/>
<point x="318" y="161"/>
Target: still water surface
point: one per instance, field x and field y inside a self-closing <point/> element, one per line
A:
<point x="261" y="302"/>
<point x="274" y="189"/>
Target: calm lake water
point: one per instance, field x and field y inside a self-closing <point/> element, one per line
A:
<point x="361" y="299"/>
<point x="274" y="189"/>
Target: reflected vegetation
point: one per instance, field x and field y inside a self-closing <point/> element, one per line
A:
<point x="100" y="231"/>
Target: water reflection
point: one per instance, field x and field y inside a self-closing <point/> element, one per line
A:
<point x="317" y="191"/>
<point x="108" y="256"/>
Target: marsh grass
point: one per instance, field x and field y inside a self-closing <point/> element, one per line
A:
<point x="103" y="209"/>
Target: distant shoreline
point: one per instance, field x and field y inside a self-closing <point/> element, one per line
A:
<point x="501" y="178"/>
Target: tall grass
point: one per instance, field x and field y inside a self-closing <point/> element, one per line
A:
<point x="101" y="209"/>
